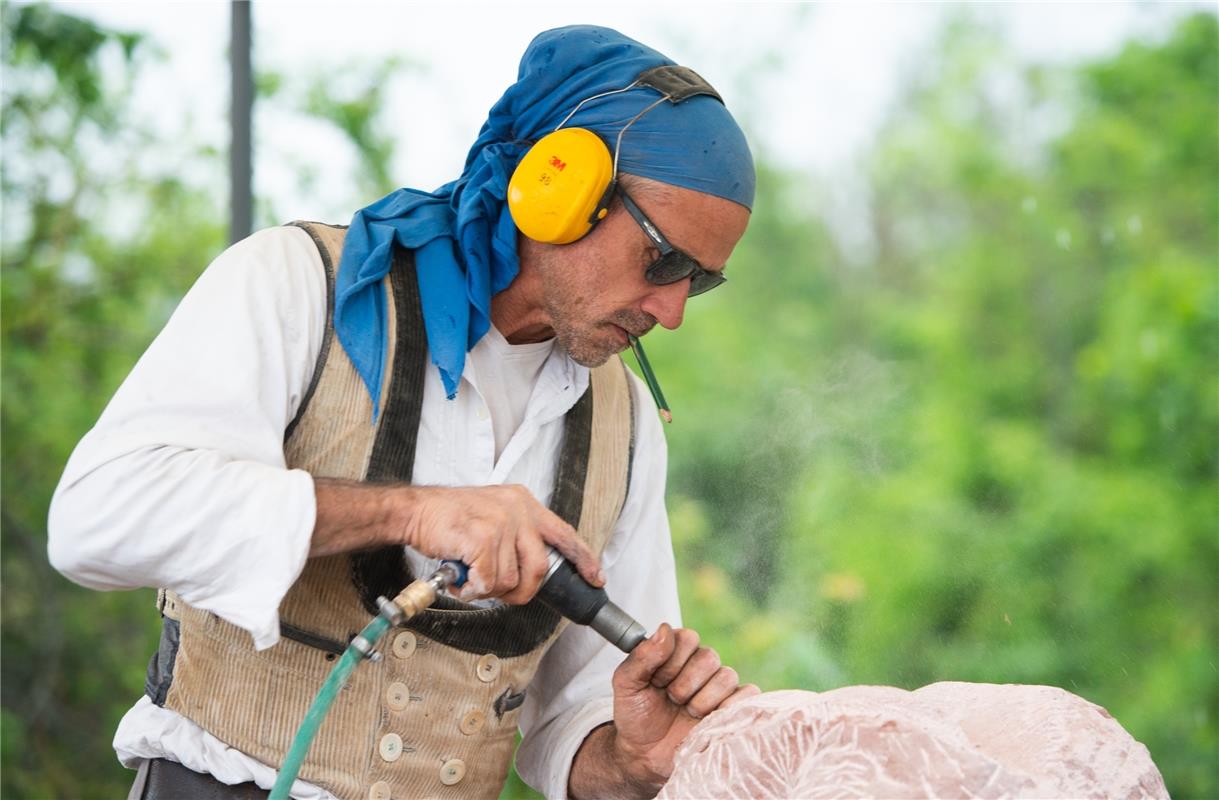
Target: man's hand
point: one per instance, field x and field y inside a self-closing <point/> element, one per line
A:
<point x="500" y="532"/>
<point x="661" y="691"/>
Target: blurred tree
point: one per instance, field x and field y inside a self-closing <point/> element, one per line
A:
<point x="357" y="113"/>
<point x="348" y="104"/>
<point x="82" y="292"/>
<point x="989" y="452"/>
<point x="1043" y="505"/>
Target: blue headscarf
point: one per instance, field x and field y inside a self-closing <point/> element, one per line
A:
<point x="462" y="233"/>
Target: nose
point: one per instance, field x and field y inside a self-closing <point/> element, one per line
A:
<point x="667" y="304"/>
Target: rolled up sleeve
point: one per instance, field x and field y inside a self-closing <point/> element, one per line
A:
<point x="182" y="483"/>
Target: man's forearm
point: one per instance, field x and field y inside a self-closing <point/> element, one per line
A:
<point x="596" y="773"/>
<point x="353" y="515"/>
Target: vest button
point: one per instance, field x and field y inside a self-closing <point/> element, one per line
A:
<point x="487" y="669"/>
<point x="404" y="644"/>
<point x="452" y="771"/>
<point x="390" y="747"/>
<point x="397" y="696"/>
<point x="472" y="722"/>
<point x="379" y="791"/>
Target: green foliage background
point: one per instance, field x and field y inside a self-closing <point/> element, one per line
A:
<point x="982" y="447"/>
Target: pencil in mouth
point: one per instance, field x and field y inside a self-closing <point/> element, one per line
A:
<point x="649" y="378"/>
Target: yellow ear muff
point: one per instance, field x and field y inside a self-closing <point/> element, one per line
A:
<point x="556" y="193"/>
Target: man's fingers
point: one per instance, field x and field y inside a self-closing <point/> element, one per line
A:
<point x="635" y="673"/>
<point x="715" y="692"/>
<point x="531" y="561"/>
<point x="481" y="575"/>
<point x="697" y="671"/>
<point x="500" y="532"/>
<point x="508" y="574"/>
<point x="685" y="646"/>
<point x="564" y="538"/>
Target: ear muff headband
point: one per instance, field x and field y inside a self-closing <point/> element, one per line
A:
<point x="563" y="186"/>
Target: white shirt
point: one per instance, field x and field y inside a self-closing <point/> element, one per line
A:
<point x="182" y="484"/>
<point x="506" y="376"/>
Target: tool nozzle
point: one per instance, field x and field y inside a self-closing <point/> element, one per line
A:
<point x="564" y="590"/>
<point x="618" y="627"/>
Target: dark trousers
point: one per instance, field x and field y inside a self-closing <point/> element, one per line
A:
<point x="162" y="779"/>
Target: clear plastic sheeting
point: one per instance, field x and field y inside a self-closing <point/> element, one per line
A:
<point x="944" y="740"/>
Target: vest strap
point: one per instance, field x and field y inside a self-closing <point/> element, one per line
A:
<point x="315" y="233"/>
<point x="383" y="571"/>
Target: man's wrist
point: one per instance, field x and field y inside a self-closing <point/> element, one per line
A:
<point x="402" y="513"/>
<point x="602" y="769"/>
<point x="353" y="515"/>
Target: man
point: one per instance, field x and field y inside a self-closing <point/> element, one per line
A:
<point x="426" y="379"/>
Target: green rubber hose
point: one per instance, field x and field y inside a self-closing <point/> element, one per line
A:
<point x="321" y="704"/>
<point x="409" y="602"/>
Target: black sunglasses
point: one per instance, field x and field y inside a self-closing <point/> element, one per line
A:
<point x="673" y="265"/>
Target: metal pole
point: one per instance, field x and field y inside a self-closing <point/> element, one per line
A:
<point x="240" y="150"/>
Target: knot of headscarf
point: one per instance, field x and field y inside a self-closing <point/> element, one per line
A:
<point x="463" y="234"/>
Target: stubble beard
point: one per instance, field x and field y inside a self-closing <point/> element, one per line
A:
<point x="589" y="342"/>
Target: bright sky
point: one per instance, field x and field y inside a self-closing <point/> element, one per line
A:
<point x="811" y="82"/>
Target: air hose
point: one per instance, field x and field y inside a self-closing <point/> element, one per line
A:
<point x="562" y="589"/>
<point x="410" y="601"/>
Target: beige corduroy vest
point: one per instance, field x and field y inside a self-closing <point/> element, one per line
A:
<point x="436" y="717"/>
